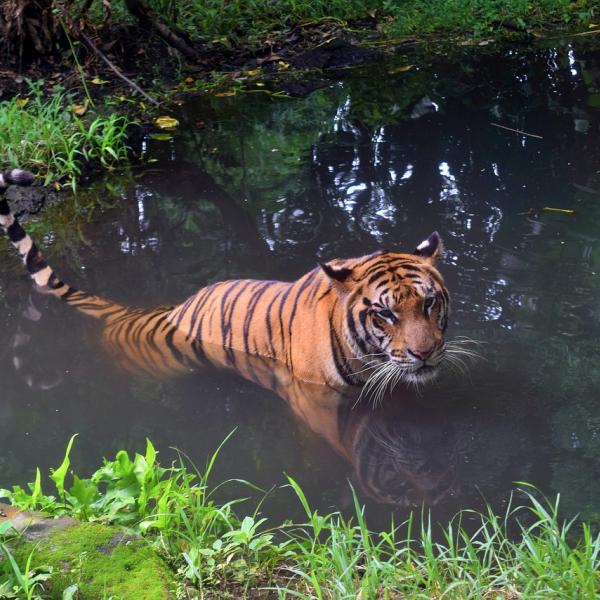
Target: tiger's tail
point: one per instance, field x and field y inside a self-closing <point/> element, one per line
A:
<point x="46" y="281"/>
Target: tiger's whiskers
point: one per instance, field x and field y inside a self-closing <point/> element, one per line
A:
<point x="458" y="353"/>
<point x="386" y="375"/>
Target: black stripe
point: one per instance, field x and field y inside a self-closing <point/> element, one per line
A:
<point x="376" y="276"/>
<point x="324" y="294"/>
<point x="304" y="285"/>
<point x="228" y="326"/>
<point x="354" y="333"/>
<point x="336" y="352"/>
<point x="254" y="300"/>
<point x="281" y="305"/>
<point x="268" y="318"/>
<point x="379" y="264"/>
<point x="171" y="346"/>
<point x="15" y="232"/>
<point x="408" y="267"/>
<point x="232" y="286"/>
<point x="34" y="261"/>
<point x="201" y="302"/>
<point x="184" y="310"/>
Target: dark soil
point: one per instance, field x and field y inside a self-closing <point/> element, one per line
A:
<point x="156" y="68"/>
<point x="338" y="54"/>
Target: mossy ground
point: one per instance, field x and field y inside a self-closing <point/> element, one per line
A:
<point x="102" y="562"/>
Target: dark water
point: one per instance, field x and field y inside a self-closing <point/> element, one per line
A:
<point x="260" y="187"/>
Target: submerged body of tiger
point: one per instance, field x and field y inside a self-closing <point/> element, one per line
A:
<point x="384" y="313"/>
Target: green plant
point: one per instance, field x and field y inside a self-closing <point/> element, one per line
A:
<point x="208" y="545"/>
<point x="25" y="582"/>
<point x="46" y="135"/>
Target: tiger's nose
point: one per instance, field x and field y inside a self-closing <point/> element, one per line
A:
<point x="421" y="354"/>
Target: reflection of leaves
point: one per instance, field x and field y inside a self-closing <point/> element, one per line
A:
<point x="166" y="122"/>
<point x="161" y="137"/>
<point x="263" y="147"/>
<point x="593" y="100"/>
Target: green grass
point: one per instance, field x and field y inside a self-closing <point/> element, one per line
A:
<point x="487" y="17"/>
<point x="243" y="19"/>
<point x="213" y="548"/>
<point x="46" y="136"/>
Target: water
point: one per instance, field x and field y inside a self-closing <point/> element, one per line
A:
<point x="260" y="187"/>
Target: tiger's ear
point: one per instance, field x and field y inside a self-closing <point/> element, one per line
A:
<point x="432" y="247"/>
<point x="338" y="274"/>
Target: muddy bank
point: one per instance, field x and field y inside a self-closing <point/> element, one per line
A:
<point x="313" y="46"/>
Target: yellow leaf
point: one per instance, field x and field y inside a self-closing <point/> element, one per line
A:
<point x="161" y="137"/>
<point x="80" y="109"/>
<point x="189" y="80"/>
<point x="401" y="69"/>
<point x="565" y="211"/>
<point x="166" y="122"/>
<point x="252" y="72"/>
<point x="283" y="65"/>
<point x="22" y="102"/>
<point x="222" y="94"/>
<point x="57" y="186"/>
<point x="260" y="84"/>
<point x="98" y="81"/>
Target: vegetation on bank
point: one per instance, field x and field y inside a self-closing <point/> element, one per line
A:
<point x="202" y="19"/>
<point x="56" y="138"/>
<point x="214" y="551"/>
<point x="60" y="133"/>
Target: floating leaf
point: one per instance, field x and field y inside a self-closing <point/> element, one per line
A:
<point x="80" y="109"/>
<point x="98" y="81"/>
<point x="161" y="137"/>
<point x="166" y="122"/>
<point x="564" y="211"/>
<point x="401" y="69"/>
<point x="22" y="102"/>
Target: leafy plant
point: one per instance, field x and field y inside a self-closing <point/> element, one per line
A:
<point x="327" y="556"/>
<point x="47" y="136"/>
<point x="23" y="583"/>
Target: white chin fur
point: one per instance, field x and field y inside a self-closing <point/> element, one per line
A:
<point x="421" y="376"/>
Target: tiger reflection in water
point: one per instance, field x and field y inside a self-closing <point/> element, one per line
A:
<point x="385" y="312"/>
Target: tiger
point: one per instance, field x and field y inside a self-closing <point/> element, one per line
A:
<point x="361" y="321"/>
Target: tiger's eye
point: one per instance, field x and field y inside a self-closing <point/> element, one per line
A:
<point x="429" y="302"/>
<point x="385" y="314"/>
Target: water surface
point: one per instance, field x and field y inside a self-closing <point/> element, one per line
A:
<point x="261" y="187"/>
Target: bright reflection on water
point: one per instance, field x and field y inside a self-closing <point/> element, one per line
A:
<point x="260" y="188"/>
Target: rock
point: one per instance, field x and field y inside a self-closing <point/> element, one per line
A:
<point x="33" y="525"/>
<point x="30" y="200"/>
<point x="103" y="561"/>
<point x="337" y="54"/>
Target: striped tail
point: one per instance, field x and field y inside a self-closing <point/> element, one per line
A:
<point x="42" y="274"/>
<point x="31" y="256"/>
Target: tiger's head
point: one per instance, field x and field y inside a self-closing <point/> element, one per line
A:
<point x="394" y="312"/>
